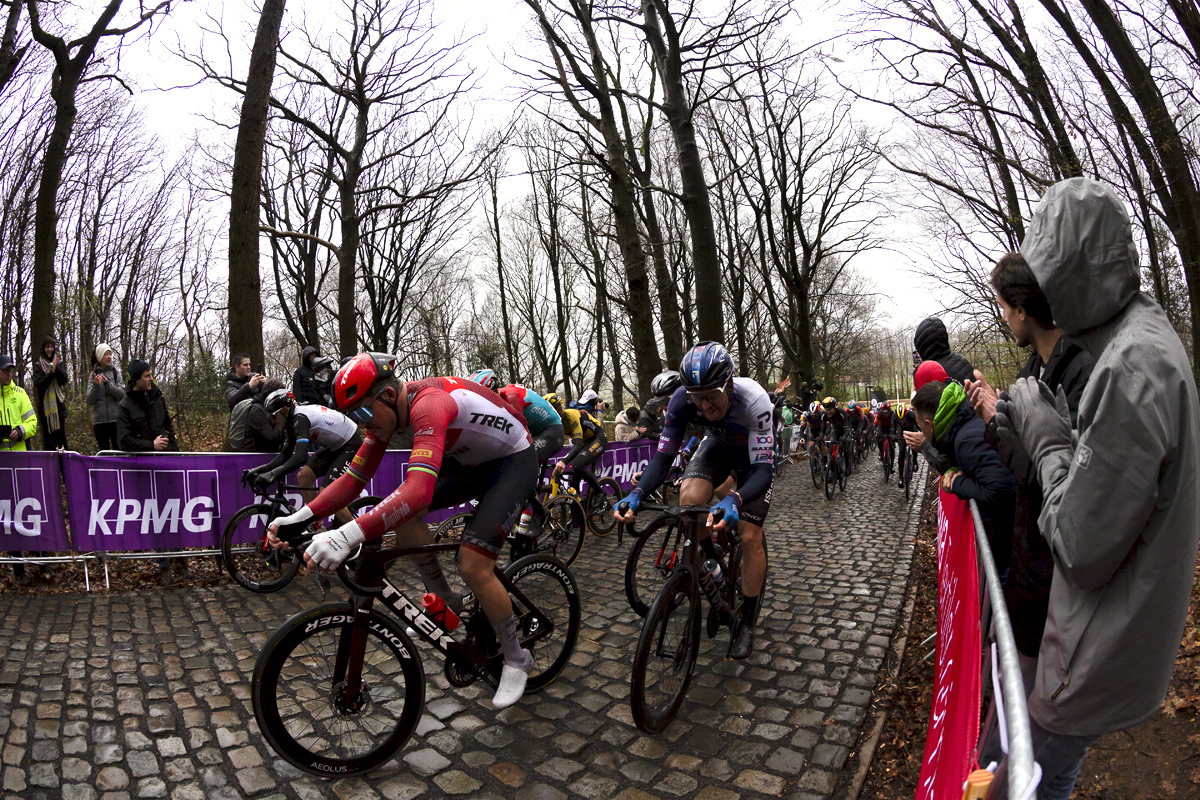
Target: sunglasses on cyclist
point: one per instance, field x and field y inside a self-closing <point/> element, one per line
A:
<point x="363" y="414"/>
<point x="705" y="395"/>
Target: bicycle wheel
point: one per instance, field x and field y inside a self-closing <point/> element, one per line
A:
<point x="908" y="476"/>
<point x="562" y="534"/>
<point x="666" y="653"/>
<point x="830" y="477"/>
<point x="300" y="703"/>
<point x="814" y="466"/>
<point x="550" y="594"/>
<point x="451" y="530"/>
<point x="843" y="472"/>
<point x="651" y="559"/>
<point x="248" y="559"/>
<point x="600" y="507"/>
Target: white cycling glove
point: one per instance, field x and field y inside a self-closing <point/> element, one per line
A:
<point x="329" y="549"/>
<point x="293" y="523"/>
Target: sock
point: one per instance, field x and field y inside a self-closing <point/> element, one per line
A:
<point x="514" y="654"/>
<point x="750" y="609"/>
<point x="431" y="574"/>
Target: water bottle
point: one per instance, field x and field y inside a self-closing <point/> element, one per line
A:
<point x="439" y="612"/>
<point x="713" y="568"/>
<point x="523" y="525"/>
<point x="710" y="578"/>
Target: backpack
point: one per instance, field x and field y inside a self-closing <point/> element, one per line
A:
<point x="239" y="440"/>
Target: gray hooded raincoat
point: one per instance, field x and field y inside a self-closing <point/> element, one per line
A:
<point x="1122" y="509"/>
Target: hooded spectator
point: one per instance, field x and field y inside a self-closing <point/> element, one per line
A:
<point x="304" y="387"/>
<point x="241" y="382"/>
<point x="1121" y="511"/>
<point x="104" y="395"/>
<point x="933" y="344"/>
<point x="626" y="424"/>
<point x="975" y="471"/>
<point x="264" y="436"/>
<point x="50" y="382"/>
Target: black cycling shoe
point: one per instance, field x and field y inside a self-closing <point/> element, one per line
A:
<point x="743" y="643"/>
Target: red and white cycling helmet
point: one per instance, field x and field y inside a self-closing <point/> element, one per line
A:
<point x="359" y="380"/>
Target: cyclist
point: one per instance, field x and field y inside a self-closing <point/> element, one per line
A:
<point x="588" y="441"/>
<point x="317" y="440"/>
<point x="814" y="420"/>
<point x="906" y="420"/>
<point x="737" y="414"/>
<point x="662" y="387"/>
<point x="540" y="417"/>
<point x="858" y="422"/>
<point x="834" y="421"/>
<point x="468" y="444"/>
<point x="884" y="424"/>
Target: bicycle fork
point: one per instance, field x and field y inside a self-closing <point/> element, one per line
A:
<point x="347" y="672"/>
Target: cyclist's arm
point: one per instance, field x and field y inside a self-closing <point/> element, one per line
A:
<point x="295" y="452"/>
<point x="338" y="494"/>
<point x="430" y="415"/>
<point x="762" y="459"/>
<point x="656" y="471"/>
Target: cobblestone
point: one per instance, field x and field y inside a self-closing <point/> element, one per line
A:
<point x="147" y="695"/>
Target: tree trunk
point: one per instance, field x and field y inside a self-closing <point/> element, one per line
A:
<point x="705" y="259"/>
<point x="347" y="258"/>
<point x="245" y="285"/>
<point x="508" y="343"/>
<point x="668" y="306"/>
<point x="10" y="56"/>
<point x="45" y="235"/>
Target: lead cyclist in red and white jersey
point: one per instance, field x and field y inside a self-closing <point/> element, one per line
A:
<point x="468" y="444"/>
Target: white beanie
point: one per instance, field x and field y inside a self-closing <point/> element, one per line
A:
<point x="101" y="349"/>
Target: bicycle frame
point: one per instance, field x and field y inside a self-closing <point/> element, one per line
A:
<point x="689" y="557"/>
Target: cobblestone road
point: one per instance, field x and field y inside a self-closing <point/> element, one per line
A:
<point x="147" y="696"/>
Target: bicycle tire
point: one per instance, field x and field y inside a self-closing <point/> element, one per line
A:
<point x="909" y="469"/>
<point x="295" y="698"/>
<point x="562" y="534"/>
<point x="600" y="511"/>
<point x="246" y="557"/>
<point x="450" y="530"/>
<point x="647" y="567"/>
<point x="843" y="473"/>
<point x="669" y="640"/>
<point x="551" y="587"/>
<point x="814" y="466"/>
<point x="830" y="478"/>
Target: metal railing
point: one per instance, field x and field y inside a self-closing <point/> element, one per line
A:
<point x="1018" y="769"/>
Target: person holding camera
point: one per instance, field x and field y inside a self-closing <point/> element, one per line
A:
<point x="241" y="383"/>
<point x="104" y="396"/>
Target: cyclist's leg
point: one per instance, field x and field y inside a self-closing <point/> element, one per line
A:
<point x="548" y="443"/>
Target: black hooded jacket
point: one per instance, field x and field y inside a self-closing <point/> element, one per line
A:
<point x="933" y="344"/>
<point x="143" y="418"/>
<point x="304" y="387"/>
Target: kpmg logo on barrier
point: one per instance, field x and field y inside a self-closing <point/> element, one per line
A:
<point x="22" y="502"/>
<point x="136" y="500"/>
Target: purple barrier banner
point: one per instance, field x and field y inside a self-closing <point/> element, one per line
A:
<point x="185" y="500"/>
<point x="31" y="516"/>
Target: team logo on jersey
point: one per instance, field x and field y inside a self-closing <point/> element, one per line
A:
<point x="491" y="421"/>
<point x="422" y="454"/>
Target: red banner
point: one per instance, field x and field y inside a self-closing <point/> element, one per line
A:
<point x="954" y="717"/>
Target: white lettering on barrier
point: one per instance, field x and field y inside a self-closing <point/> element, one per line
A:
<point x="24" y="522"/>
<point x="169" y="515"/>
<point x="162" y="512"/>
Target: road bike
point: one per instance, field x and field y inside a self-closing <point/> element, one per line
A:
<point x="669" y="644"/>
<point x="338" y="689"/>
<point x="887" y="457"/>
<point x="835" y="466"/>
<point x="597" y="505"/>
<point x="816" y="463"/>
<point x="908" y="465"/>
<point x="554" y="527"/>
<point x="244" y="550"/>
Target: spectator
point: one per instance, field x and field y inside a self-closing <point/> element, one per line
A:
<point x="265" y="437"/>
<point x="240" y="383"/>
<point x="1120" y="509"/>
<point x="975" y="471"/>
<point x="626" y="424"/>
<point x="1057" y="361"/>
<point x="304" y="387"/>
<point x="144" y="425"/>
<point x="104" y="396"/>
<point x="933" y="344"/>
<point x="323" y="368"/>
<point x="18" y="425"/>
<point x="50" y="380"/>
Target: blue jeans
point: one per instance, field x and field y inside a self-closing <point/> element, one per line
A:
<point x="1060" y="757"/>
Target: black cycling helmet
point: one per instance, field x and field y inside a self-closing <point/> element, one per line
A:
<point x="278" y="400"/>
<point x="708" y="365"/>
<point x="666" y="383"/>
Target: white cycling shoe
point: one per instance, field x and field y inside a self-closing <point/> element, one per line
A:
<point x="512" y="683"/>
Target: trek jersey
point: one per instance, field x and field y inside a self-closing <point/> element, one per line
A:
<point x="539" y="414"/>
<point x="748" y="424"/>
<point x="450" y="418"/>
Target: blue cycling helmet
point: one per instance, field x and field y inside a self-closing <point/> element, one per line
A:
<point x="485" y="377"/>
<point x="708" y="365"/>
<point x="852" y="405"/>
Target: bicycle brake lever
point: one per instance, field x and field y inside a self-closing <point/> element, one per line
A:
<point x="323" y="582"/>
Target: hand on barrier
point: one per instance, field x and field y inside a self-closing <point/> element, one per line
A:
<point x="724" y="515"/>
<point x="329" y="549"/>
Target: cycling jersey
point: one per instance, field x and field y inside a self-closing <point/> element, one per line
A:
<point x="326" y="427"/>
<point x="586" y="433"/>
<point x="450" y="418"/>
<point x="538" y="412"/>
<point x="884" y="420"/>
<point x="837" y="418"/>
<point x="746" y="426"/>
<point x="319" y="431"/>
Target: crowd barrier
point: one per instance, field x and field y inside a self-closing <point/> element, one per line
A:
<point x="971" y="611"/>
<point x="176" y="504"/>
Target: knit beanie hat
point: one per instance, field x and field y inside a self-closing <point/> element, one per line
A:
<point x="101" y="349"/>
<point x="136" y="368"/>
<point x="929" y="371"/>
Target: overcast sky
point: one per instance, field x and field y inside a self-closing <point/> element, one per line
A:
<point x="500" y="28"/>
